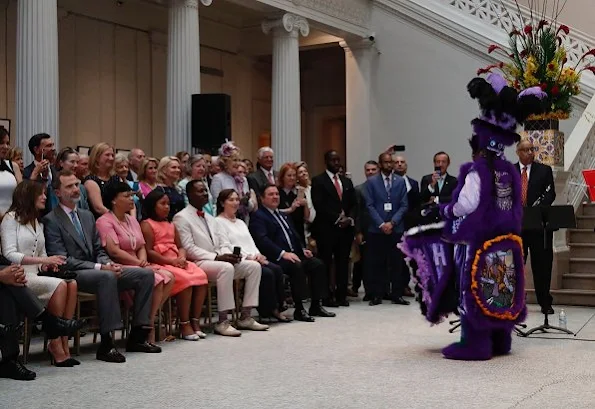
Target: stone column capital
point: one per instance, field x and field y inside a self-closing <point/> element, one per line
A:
<point x="290" y="24"/>
<point x="190" y="3"/>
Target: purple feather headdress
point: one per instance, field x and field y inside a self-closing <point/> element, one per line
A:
<point x="228" y="149"/>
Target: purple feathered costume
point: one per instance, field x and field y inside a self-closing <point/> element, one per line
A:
<point x="484" y="227"/>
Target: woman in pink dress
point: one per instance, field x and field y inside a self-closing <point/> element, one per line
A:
<point x="165" y="249"/>
<point x="147" y="176"/>
<point x="123" y="240"/>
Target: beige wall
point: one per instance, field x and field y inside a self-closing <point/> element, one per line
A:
<point x="579" y="14"/>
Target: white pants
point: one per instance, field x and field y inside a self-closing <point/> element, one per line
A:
<point x="223" y="274"/>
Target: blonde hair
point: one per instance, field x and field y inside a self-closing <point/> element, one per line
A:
<point x="163" y="164"/>
<point x="142" y="172"/>
<point x="96" y="151"/>
<point x="15" y="153"/>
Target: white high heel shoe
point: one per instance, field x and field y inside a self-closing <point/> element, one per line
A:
<point x="191" y="337"/>
<point x="201" y="334"/>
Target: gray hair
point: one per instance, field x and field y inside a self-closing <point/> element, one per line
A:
<point x="193" y="159"/>
<point x="264" y="150"/>
<point x="120" y="158"/>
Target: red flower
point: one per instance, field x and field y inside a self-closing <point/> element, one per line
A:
<point x="543" y="86"/>
<point x="515" y="33"/>
<point x="555" y="90"/>
<point x="563" y="28"/>
<point x="528" y="29"/>
<point x="517" y="85"/>
<point x="588" y="53"/>
<point x="542" y="24"/>
<point x="493" y="48"/>
<point x="489" y="68"/>
<point x="523" y="53"/>
<point x="551" y="66"/>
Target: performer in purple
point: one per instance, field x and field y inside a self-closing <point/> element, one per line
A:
<point x="483" y="220"/>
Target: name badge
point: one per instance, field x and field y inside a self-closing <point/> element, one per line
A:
<point x="388" y="207"/>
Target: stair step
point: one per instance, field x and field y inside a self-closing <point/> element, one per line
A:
<point x="585" y="222"/>
<point x="581" y="235"/>
<point x="589" y="209"/>
<point x="582" y="250"/>
<point x="582" y="265"/>
<point x="578" y="281"/>
<point x="567" y="297"/>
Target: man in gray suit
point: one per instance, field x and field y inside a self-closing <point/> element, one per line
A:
<point x="71" y="232"/>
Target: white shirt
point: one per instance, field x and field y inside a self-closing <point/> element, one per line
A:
<point x="332" y="176"/>
<point x="238" y="235"/>
<point x="528" y="169"/>
<point x="407" y="183"/>
<point x="468" y="200"/>
<point x="68" y="210"/>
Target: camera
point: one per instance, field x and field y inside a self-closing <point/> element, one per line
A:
<point x="372" y="37"/>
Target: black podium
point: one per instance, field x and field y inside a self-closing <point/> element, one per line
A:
<point x="549" y="219"/>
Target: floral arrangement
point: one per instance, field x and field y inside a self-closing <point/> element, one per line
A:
<point x="536" y="57"/>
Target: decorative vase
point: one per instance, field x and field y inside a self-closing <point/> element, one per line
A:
<point x="549" y="141"/>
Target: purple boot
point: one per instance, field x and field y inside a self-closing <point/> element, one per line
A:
<point x="475" y="345"/>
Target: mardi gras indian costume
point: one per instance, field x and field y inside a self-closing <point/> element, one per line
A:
<point x="475" y="253"/>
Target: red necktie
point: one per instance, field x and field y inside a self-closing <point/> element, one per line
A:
<point x="271" y="178"/>
<point x="524" y="186"/>
<point x="200" y="213"/>
<point x="338" y="187"/>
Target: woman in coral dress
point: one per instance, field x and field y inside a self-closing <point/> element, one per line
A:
<point x="164" y="248"/>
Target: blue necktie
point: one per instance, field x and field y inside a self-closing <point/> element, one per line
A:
<point x="440" y="184"/>
<point x="77" y="224"/>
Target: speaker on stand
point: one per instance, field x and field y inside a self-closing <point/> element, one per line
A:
<point x="211" y="122"/>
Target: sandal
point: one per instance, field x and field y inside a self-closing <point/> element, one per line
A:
<point x="201" y="334"/>
<point x="190" y="337"/>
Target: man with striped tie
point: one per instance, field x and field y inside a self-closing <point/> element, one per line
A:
<point x="537" y="189"/>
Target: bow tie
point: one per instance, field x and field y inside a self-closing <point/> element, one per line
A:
<point x="200" y="213"/>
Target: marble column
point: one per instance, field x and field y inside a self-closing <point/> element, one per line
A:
<point x="183" y="72"/>
<point x="37" y="72"/>
<point x="358" y="110"/>
<point x="286" y="104"/>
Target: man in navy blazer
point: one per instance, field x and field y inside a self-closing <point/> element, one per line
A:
<point x="278" y="241"/>
<point x="387" y="204"/>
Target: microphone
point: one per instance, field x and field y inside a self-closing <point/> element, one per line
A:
<point x="542" y="197"/>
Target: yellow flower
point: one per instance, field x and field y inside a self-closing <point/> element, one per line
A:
<point x="530" y="70"/>
<point x="553" y="69"/>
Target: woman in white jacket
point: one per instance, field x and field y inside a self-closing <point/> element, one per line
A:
<point x="23" y="243"/>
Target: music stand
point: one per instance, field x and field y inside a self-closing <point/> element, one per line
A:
<point x="552" y="218"/>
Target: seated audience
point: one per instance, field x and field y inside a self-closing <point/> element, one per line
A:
<point x="10" y="175"/>
<point x="168" y="174"/>
<point x="205" y="244"/>
<point x="292" y="200"/>
<point x="122" y="238"/>
<point x="82" y="170"/>
<point x="122" y="170"/>
<point x="277" y="239"/>
<point x="16" y="300"/>
<point x="101" y="163"/>
<point x="197" y="170"/>
<point x="165" y="249"/>
<point x="23" y="243"/>
<point x="68" y="159"/>
<point x="71" y="232"/>
<point x="147" y="176"/>
<point x="272" y="289"/>
<point x="16" y="156"/>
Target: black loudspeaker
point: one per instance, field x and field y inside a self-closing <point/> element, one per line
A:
<point x="211" y="121"/>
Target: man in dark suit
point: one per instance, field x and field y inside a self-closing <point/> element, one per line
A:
<point x="438" y="186"/>
<point x="333" y="198"/>
<point x="264" y="173"/>
<point x="537" y="189"/>
<point x="16" y="299"/>
<point x="135" y="160"/>
<point x="278" y="241"/>
<point x="43" y="149"/>
<point x="413" y="211"/>
<point x="386" y="199"/>
<point x="362" y="222"/>
<point x="71" y="232"/>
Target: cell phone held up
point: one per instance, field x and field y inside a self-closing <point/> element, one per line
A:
<point x="438" y="170"/>
<point x="237" y="251"/>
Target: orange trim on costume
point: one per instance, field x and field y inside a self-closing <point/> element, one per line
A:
<point x="475" y="286"/>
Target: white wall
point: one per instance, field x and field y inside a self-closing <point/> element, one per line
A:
<point x="579" y="14"/>
<point x="419" y="95"/>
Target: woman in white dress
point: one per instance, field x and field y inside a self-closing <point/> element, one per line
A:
<point x="272" y="290"/>
<point x="23" y="243"/>
<point x="10" y="174"/>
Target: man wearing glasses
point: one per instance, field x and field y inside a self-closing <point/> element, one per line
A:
<point x="537" y="189"/>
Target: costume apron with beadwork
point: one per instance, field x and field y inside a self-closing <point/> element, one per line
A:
<point x="483" y="259"/>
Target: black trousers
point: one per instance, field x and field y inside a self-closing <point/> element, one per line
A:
<point x="384" y="265"/>
<point x="315" y="270"/>
<point x="540" y="245"/>
<point x="334" y="246"/>
<point x="14" y="303"/>
<point x="358" y="271"/>
<point x="272" y="290"/>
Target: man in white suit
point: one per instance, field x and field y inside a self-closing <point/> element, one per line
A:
<point x="206" y="245"/>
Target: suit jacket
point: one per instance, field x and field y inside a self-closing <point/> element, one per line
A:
<point x="362" y="216"/>
<point x="376" y="198"/>
<point x="257" y="180"/>
<point x="28" y="171"/>
<point x="444" y="194"/>
<point x="540" y="177"/>
<point x="61" y="238"/>
<point x="201" y="243"/>
<point x="413" y="204"/>
<point x="329" y="205"/>
<point x="269" y="237"/>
